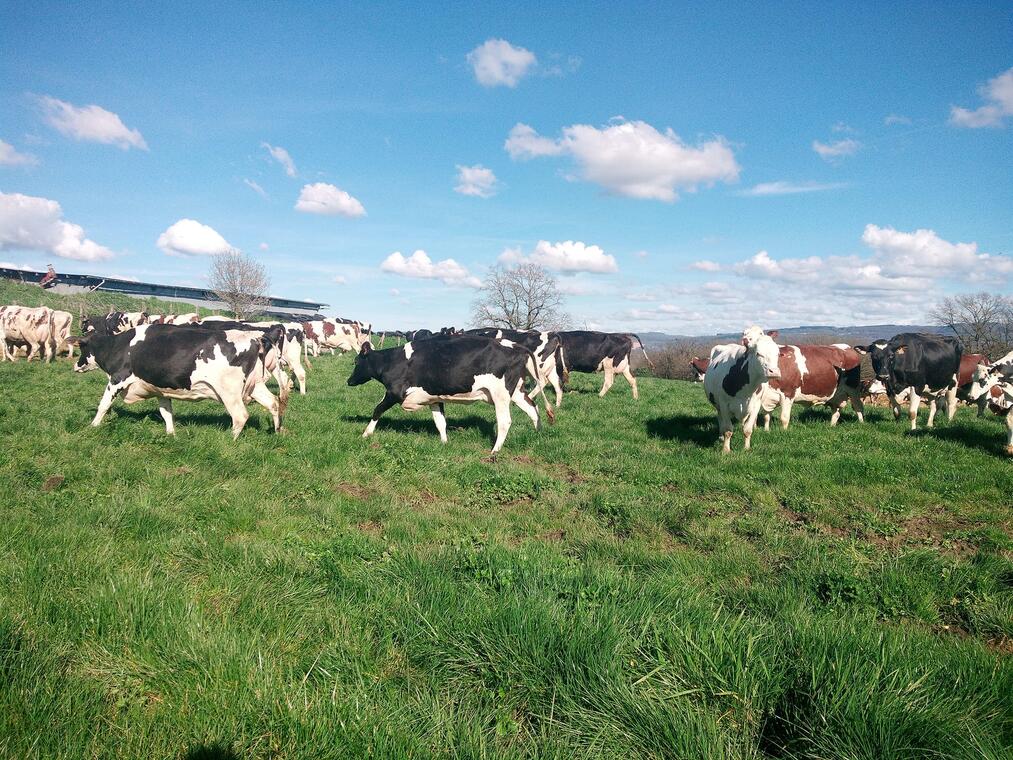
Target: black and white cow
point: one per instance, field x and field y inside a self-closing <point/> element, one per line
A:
<point x="171" y="362"/>
<point x="546" y="346"/>
<point x="995" y="383"/>
<point x="591" y="351"/>
<point x="734" y="381"/>
<point x="291" y="347"/>
<point x="454" y="369"/>
<point x="918" y="366"/>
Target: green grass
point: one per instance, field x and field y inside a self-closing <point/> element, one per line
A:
<point x="612" y="587"/>
<point x="96" y="302"/>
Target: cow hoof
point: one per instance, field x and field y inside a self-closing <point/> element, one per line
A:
<point x="491" y="459"/>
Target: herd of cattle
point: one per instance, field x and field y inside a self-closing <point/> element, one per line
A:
<point x="189" y="357"/>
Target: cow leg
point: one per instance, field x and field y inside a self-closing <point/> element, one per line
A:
<point x="913" y="409"/>
<point x="441" y="421"/>
<point x="982" y="404"/>
<point x="165" y="409"/>
<point x="786" y="404"/>
<point x="554" y="381"/>
<point x="237" y="410"/>
<point x="749" y="421"/>
<point x="609" y="377"/>
<point x="933" y="406"/>
<point x="502" y="403"/>
<point x="951" y="402"/>
<point x="48" y="349"/>
<point x="386" y="403"/>
<point x="263" y="396"/>
<point x="103" y="405"/>
<point x="526" y="404"/>
<point x="1009" y="432"/>
<point x="859" y="406"/>
<point x="631" y="380"/>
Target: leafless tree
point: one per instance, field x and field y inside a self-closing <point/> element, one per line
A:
<point x="983" y="321"/>
<point x="239" y="282"/>
<point x="525" y="297"/>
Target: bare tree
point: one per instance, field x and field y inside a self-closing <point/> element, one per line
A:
<point x="240" y="282"/>
<point x="983" y="321"/>
<point x="525" y="297"/>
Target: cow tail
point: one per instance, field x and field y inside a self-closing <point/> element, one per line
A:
<point x="643" y="349"/>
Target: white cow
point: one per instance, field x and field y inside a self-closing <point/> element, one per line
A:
<point x="33" y="327"/>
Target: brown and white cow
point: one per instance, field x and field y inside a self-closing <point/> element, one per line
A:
<point x="698" y="367"/>
<point x="31" y="327"/>
<point x="812" y="375"/>
<point x="62" y="323"/>
<point x="995" y="382"/>
<point x="332" y="333"/>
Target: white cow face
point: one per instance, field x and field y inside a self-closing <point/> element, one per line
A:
<point x="766" y="350"/>
<point x="982" y="381"/>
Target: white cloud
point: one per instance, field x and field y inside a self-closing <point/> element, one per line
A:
<point x="632" y="158"/>
<point x="924" y="250"/>
<point x="9" y="156"/>
<point x="790" y="188"/>
<point x="896" y="118"/>
<point x="420" y="266"/>
<point x="188" y="237"/>
<point x="340" y="280"/>
<point x="263" y="246"/>
<point x="90" y="124"/>
<point x="998" y="97"/>
<point x="567" y="256"/>
<point x="36" y="224"/>
<point x="705" y="265"/>
<point x="281" y="155"/>
<point x="322" y="198"/>
<point x="832" y="151"/>
<point x="255" y="187"/>
<point x="476" y="180"/>
<point x="11" y="265"/>
<point x="496" y="62"/>
<point x="843" y="127"/>
<point x="395" y="292"/>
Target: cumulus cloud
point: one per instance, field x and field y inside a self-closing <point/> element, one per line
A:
<point x="923" y="249"/>
<point x="632" y="158"/>
<point x="36" y="224"/>
<point x="498" y="63"/>
<point x="836" y="150"/>
<point x="998" y="97"/>
<point x="340" y="280"/>
<point x="790" y="188"/>
<point x="281" y="155"/>
<point x="420" y="266"/>
<point x="90" y="124"/>
<point x="322" y="198"/>
<point x="476" y="180"/>
<point x="896" y="118"/>
<point x="705" y="265"/>
<point x="188" y="237"/>
<point x="569" y="256"/>
<point x="255" y="187"/>
<point x="9" y="156"/>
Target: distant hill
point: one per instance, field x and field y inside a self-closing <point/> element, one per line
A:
<point x="803" y="334"/>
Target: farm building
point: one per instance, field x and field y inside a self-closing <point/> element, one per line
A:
<point x="69" y="284"/>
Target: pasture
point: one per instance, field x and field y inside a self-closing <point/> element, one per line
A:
<point x="612" y="587"/>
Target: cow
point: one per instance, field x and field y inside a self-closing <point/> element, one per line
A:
<point x="459" y="369"/>
<point x="182" y="319"/>
<point x="31" y="327"/>
<point x="62" y="322"/>
<point x="331" y="333"/>
<point x="735" y="375"/>
<point x="546" y="347"/>
<point x="965" y="380"/>
<point x="811" y="375"/>
<point x="170" y="362"/>
<point x="698" y="367"/>
<point x="591" y="351"/>
<point x="290" y="349"/>
<point x="916" y="366"/>
<point x="995" y="383"/>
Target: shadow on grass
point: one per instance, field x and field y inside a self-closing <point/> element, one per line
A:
<point x="424" y="423"/>
<point x="209" y="419"/>
<point x="691" y="428"/>
<point x="215" y="751"/>
<point x="990" y="441"/>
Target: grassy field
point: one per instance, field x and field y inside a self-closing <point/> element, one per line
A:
<point x="612" y="587"/>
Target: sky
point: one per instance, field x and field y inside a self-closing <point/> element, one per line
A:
<point x="688" y="168"/>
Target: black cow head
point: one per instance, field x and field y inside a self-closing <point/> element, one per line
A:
<point x="363" y="371"/>
<point x="881" y="357"/>
<point x="86" y="360"/>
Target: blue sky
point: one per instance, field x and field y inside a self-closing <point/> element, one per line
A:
<point x="682" y="168"/>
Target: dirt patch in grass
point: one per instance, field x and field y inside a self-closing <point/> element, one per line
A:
<point x="184" y="470"/>
<point x="352" y="490"/>
<point x="52" y="483"/>
<point x="372" y="527"/>
<point x="802" y="521"/>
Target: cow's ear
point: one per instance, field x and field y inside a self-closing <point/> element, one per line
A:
<point x="366" y="348"/>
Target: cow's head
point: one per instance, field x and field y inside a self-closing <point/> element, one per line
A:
<point x="86" y="360"/>
<point x="764" y="348"/>
<point x="363" y="371"/>
<point x="984" y="379"/>
<point x="881" y="357"/>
